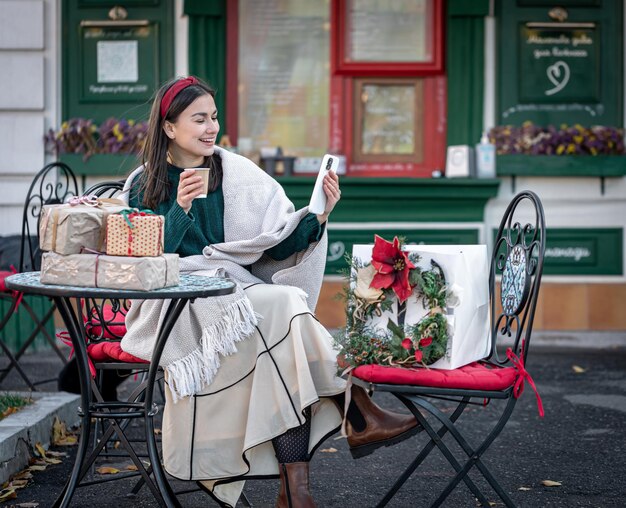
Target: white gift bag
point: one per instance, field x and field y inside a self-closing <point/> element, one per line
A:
<point x="466" y="269"/>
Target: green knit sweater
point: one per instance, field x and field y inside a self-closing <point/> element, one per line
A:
<point x="188" y="233"/>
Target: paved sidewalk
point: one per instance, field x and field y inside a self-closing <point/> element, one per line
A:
<point x="580" y="443"/>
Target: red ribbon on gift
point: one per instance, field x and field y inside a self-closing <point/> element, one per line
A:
<point x="522" y="375"/>
<point x="129" y="215"/>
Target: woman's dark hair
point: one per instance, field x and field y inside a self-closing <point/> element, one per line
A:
<point x="154" y="183"/>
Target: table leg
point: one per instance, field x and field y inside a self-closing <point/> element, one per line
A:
<point x="174" y="309"/>
<point x="74" y="328"/>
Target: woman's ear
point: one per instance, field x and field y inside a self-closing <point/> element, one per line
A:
<point x="168" y="127"/>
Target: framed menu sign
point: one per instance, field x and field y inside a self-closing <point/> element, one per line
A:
<point x="119" y="63"/>
<point x="560" y="64"/>
<point x="115" y="55"/>
<point x="388" y="120"/>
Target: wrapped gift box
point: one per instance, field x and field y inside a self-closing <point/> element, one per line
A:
<point x="466" y="270"/>
<point x="70" y="229"/>
<point x="118" y="272"/>
<point x="134" y="234"/>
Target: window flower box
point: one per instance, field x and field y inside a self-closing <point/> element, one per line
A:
<point x="561" y="165"/>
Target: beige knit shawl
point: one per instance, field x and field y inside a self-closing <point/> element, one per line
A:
<point x="257" y="216"/>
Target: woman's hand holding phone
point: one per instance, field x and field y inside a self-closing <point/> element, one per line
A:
<point x="326" y="192"/>
<point x="333" y="195"/>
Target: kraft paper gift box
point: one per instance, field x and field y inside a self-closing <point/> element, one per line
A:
<point x="70" y="229"/>
<point x="117" y="272"/>
<point x="466" y="269"/>
<point x="134" y="234"/>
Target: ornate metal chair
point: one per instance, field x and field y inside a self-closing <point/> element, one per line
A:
<point x="104" y="328"/>
<point x="518" y="254"/>
<point x="54" y="184"/>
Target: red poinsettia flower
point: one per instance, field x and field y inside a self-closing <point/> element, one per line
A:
<point x="392" y="267"/>
<point x="407" y="343"/>
<point x="426" y="341"/>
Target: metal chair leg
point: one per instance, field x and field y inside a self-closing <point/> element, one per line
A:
<point x="473" y="454"/>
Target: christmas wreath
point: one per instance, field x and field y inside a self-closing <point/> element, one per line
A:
<point x="393" y="275"/>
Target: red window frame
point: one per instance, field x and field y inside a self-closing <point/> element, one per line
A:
<point x="342" y="114"/>
<point x="341" y="117"/>
<point x="340" y="65"/>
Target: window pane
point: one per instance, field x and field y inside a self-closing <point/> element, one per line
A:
<point x="388" y="31"/>
<point x="388" y="119"/>
<point x="284" y="75"/>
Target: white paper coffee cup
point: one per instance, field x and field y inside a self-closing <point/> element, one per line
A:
<point x="204" y="173"/>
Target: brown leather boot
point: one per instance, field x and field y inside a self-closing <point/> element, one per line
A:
<point x="382" y="428"/>
<point x="294" y="486"/>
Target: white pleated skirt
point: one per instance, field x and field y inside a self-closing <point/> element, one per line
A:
<point x="222" y="435"/>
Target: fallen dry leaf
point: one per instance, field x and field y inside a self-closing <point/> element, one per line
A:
<point x="6" y="494"/>
<point x="550" y="483"/>
<point x="23" y="475"/>
<point x="117" y="444"/>
<point x="67" y="441"/>
<point x="157" y="432"/>
<point x="60" y="435"/>
<point x="329" y="450"/>
<point x="19" y="484"/>
<point x="37" y="467"/>
<point x="525" y="488"/>
<point x="131" y="467"/>
<point x="26" y="505"/>
<point x="41" y="451"/>
<point x="578" y="369"/>
<point x="107" y="470"/>
<point x="9" y="411"/>
<point x="52" y="453"/>
<point x="59" y="430"/>
<point x="50" y="460"/>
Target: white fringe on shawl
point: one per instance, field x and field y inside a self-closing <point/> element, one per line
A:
<point x="257" y="216"/>
<point x="191" y="373"/>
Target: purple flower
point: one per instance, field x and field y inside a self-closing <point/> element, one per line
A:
<point x="565" y="140"/>
<point x="79" y="135"/>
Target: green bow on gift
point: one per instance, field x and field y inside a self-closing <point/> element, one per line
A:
<point x="130" y="213"/>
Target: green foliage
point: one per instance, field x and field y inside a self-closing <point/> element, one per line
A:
<point x="361" y="344"/>
<point x="9" y="403"/>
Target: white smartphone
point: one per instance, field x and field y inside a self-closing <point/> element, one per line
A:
<point x="317" y="205"/>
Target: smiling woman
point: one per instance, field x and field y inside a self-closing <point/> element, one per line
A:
<point x="251" y="375"/>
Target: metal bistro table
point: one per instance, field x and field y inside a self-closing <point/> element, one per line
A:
<point x="190" y="287"/>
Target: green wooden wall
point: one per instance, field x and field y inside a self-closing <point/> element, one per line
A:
<point x="465" y="68"/>
<point x="207" y="48"/>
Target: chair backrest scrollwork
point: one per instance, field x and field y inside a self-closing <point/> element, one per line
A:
<point x="54" y="184"/>
<point x="518" y="252"/>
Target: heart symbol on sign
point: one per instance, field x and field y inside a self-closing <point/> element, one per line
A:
<point x="558" y="73"/>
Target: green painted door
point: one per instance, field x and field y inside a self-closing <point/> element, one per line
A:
<point x="115" y="55"/>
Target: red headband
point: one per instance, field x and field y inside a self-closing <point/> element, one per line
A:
<point x="173" y="91"/>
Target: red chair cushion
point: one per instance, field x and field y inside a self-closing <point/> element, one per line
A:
<point x="475" y="376"/>
<point x="3" y="275"/>
<point x="106" y="351"/>
<point x="114" y="330"/>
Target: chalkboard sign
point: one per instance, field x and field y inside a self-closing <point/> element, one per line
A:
<point x="565" y="62"/>
<point x="562" y="67"/>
